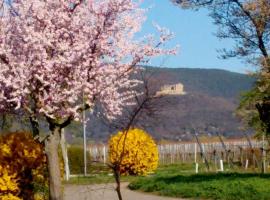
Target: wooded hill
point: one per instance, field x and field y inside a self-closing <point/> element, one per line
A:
<point x="212" y="95"/>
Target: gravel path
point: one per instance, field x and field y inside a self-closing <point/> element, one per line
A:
<point x="106" y="192"/>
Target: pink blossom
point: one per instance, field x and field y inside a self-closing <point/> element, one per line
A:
<point x="56" y="51"/>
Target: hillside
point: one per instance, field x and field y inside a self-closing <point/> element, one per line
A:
<point x="211" y="99"/>
<point x="211" y="82"/>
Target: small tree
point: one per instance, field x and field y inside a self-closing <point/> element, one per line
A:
<point x="55" y="52"/>
<point x="147" y="106"/>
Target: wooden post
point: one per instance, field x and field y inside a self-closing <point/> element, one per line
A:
<point x="221" y="166"/>
<point x="84" y="144"/>
<point x="195" y="153"/>
<point x="196" y="168"/>
<point x="171" y="154"/>
<point x="104" y="155"/>
<point x="202" y="152"/>
<point x="263" y="157"/>
<point x="246" y="167"/>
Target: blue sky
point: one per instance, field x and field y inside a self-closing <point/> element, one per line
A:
<point x="194" y="32"/>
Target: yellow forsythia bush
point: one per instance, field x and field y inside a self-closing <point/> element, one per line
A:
<point x="22" y="164"/>
<point x="138" y="151"/>
<point x="8" y="184"/>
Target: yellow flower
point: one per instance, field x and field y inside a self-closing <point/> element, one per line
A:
<point x="38" y="196"/>
<point x="8" y="181"/>
<point x="5" y="149"/>
<point x="136" y="152"/>
<point x="26" y="154"/>
<point x="9" y="197"/>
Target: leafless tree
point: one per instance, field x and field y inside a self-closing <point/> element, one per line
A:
<point x="248" y="24"/>
<point x="145" y="106"/>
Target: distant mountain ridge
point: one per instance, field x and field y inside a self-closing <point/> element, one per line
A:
<point x="212" y="95"/>
<point x="214" y="82"/>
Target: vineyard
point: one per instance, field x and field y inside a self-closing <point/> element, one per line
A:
<point x="245" y="153"/>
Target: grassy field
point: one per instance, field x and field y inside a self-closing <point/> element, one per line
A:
<point x="98" y="174"/>
<point x="178" y="181"/>
<point x="98" y="179"/>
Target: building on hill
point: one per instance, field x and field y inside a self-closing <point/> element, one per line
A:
<point x="175" y="89"/>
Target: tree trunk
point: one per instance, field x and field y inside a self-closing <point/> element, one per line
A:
<point x="34" y="125"/>
<point x="65" y="155"/>
<point x="264" y="113"/>
<point x="51" y="148"/>
<point x="118" y="183"/>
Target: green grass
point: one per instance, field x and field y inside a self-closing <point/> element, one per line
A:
<point x="98" y="179"/>
<point x="177" y="181"/>
<point x="104" y="174"/>
<point x="98" y="174"/>
<point x="92" y="179"/>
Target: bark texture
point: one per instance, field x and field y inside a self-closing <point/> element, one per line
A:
<point x="51" y="147"/>
<point x="65" y="155"/>
<point x="117" y="175"/>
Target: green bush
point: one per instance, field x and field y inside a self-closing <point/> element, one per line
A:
<point x="76" y="162"/>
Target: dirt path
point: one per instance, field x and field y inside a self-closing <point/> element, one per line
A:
<point x="106" y="192"/>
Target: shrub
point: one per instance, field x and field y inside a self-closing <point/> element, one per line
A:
<point x="75" y="159"/>
<point x="8" y="184"/>
<point x="136" y="152"/>
<point x="22" y="165"/>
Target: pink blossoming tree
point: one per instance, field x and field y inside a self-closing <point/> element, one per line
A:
<point x="54" y="52"/>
